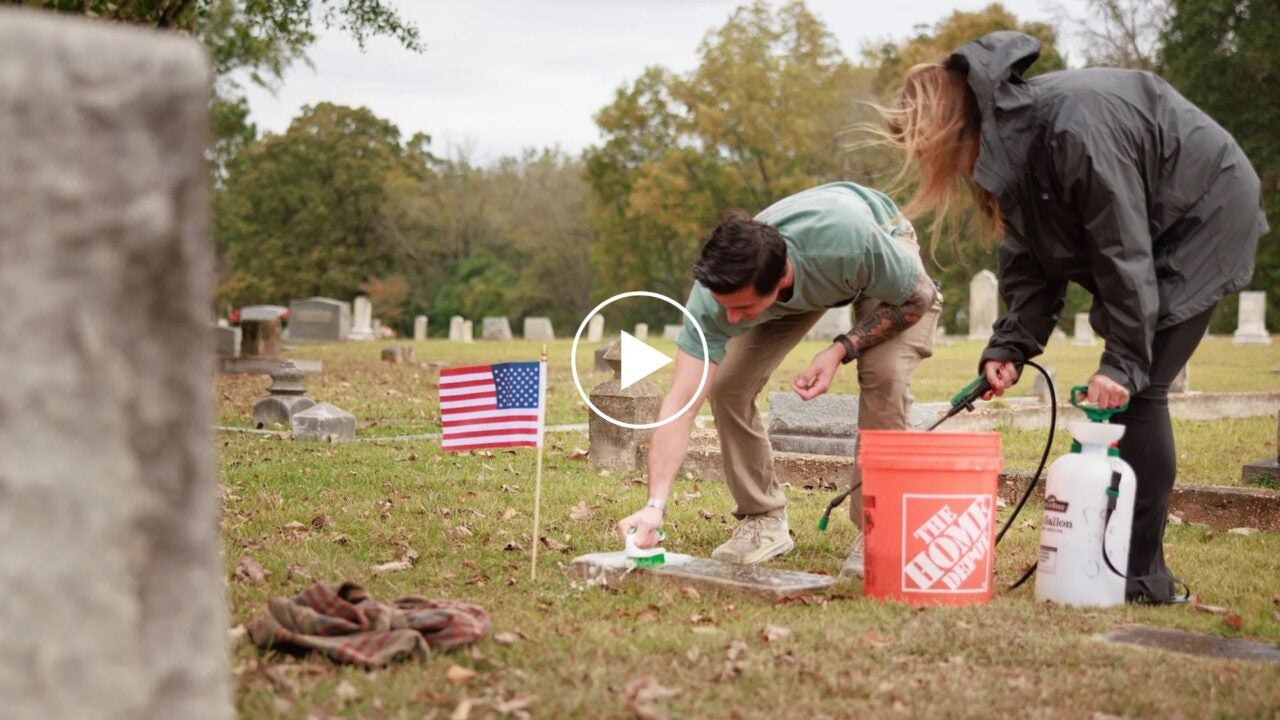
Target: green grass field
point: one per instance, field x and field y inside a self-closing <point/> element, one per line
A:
<point x="310" y="512"/>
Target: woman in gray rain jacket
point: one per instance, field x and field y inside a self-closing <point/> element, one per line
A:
<point x="1109" y="179"/>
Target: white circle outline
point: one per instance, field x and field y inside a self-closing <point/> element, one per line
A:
<point x="573" y="360"/>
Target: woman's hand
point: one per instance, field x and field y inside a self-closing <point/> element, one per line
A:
<point x="1106" y="393"/>
<point x="1000" y="376"/>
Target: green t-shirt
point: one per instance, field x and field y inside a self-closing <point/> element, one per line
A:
<point x="842" y="242"/>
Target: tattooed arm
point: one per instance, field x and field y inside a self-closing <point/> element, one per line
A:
<point x="879" y="325"/>
<point x="887" y="321"/>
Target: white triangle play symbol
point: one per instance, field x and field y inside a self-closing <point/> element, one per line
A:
<point x="638" y="360"/>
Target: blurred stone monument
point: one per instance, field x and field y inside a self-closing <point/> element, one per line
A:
<point x="595" y="328"/>
<point x="109" y="521"/>
<point x="983" y="304"/>
<point x="1252" y="326"/>
<point x="613" y="447"/>
<point x="362" y="319"/>
<point x="286" y="397"/>
<point x="495" y="328"/>
<point x="420" y="327"/>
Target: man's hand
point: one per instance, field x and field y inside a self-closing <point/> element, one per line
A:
<point x="817" y="379"/>
<point x="1000" y="376"/>
<point x="646" y="522"/>
<point x="1106" y="393"/>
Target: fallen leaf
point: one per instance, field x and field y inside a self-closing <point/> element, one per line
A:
<point x="582" y="511"/>
<point x="510" y="488"/>
<point x="643" y="693"/>
<point x="606" y="473"/>
<point x="512" y="546"/>
<point x="319" y="521"/>
<point x="458" y="675"/>
<point x="693" y="655"/>
<point x="509" y="637"/>
<point x="346" y="692"/>
<point x="295" y="526"/>
<point x="517" y="703"/>
<point x="705" y="514"/>
<point x="554" y="545"/>
<point x="235" y="634"/>
<point x="297" y="572"/>
<point x="701" y="620"/>
<point x="735" y="649"/>
<point x="691" y="593"/>
<point x="875" y="640"/>
<point x="250" y="571"/>
<point x="775" y="633"/>
<point x="1212" y="609"/>
<point x="463" y="710"/>
<point x="509" y="513"/>
<point x="392" y="566"/>
<point x="1234" y="621"/>
<point x="647" y="616"/>
<point x="578" y="454"/>
<point x="462" y="531"/>
<point x="1174" y="520"/>
<point x="686" y="497"/>
<point x="732" y="670"/>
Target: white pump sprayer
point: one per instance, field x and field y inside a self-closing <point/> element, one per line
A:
<point x="1088" y="511"/>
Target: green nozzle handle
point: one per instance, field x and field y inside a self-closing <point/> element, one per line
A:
<point x="1095" y="414"/>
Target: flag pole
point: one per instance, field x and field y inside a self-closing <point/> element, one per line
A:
<point x="537" y="488"/>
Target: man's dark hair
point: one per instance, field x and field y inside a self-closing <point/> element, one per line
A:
<point x="741" y="252"/>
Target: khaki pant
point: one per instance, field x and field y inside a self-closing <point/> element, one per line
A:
<point x="884" y="381"/>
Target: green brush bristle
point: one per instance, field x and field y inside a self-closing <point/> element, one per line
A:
<point x="651" y="561"/>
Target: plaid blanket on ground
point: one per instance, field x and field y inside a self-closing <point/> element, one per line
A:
<point x="349" y="627"/>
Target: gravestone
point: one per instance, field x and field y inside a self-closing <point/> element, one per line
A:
<point x="455" y="328"/>
<point x="1192" y="643"/>
<point x="1058" y="336"/>
<point x="495" y="328"/>
<point x="468" y="332"/>
<point x="641" y="331"/>
<point x="286" y="398"/>
<point x="396" y="354"/>
<point x="1265" y="472"/>
<point x="613" y="447"/>
<point x="760" y="582"/>
<point x="983" y="304"/>
<point x="227" y="341"/>
<point x="827" y="424"/>
<point x="362" y="319"/>
<point x="1181" y="382"/>
<point x="538" y="329"/>
<point x="1252" y="326"/>
<point x="1040" y="388"/>
<point x="833" y="322"/>
<point x="940" y="337"/>
<point x="319" y="319"/>
<point x="1083" y="332"/>
<point x="420" y="327"/>
<point x="671" y="332"/>
<point x="602" y="365"/>
<point x="595" y="328"/>
<point x="109" y="521"/>
<point x="260" y="338"/>
<point x="324" y="423"/>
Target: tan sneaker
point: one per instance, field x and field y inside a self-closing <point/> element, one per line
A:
<point x="756" y="539"/>
<point x="856" y="564"/>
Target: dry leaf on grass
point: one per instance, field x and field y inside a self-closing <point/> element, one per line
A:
<point x="875" y="640"/>
<point x="248" y="570"/>
<point x="691" y="593"/>
<point x="346" y="692"/>
<point x="295" y="526"/>
<point x="736" y="648"/>
<point x="1234" y="621"/>
<point x="643" y="693"/>
<point x="578" y="454"/>
<point x="515" y="704"/>
<point x="775" y="633"/>
<point x="705" y="514"/>
<point x="463" y="531"/>
<point x="554" y="545"/>
<point x="319" y="521"/>
<point x="463" y="710"/>
<point x="509" y="637"/>
<point x="509" y="513"/>
<point x="582" y="511"/>
<point x="393" y="566"/>
<point x="512" y="546"/>
<point x="458" y="675"/>
<point x="1201" y="607"/>
<point x="298" y="572"/>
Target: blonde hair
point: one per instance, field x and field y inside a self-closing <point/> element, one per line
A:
<point x="936" y="124"/>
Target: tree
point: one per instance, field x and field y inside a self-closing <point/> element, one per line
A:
<point x="1224" y="55"/>
<point x="758" y="119"/>
<point x="1121" y="33"/>
<point x="303" y="213"/>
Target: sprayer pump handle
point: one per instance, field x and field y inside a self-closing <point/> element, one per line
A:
<point x="1095" y="414"/>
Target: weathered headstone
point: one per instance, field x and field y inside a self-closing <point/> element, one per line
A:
<point x="109" y="520"/>
<point x="827" y="424"/>
<point x="595" y="328"/>
<point x="602" y="365"/>
<point x="641" y="331"/>
<point x="538" y="329"/>
<point x="1058" y="336"/>
<point x="468" y="332"/>
<point x="287" y="397"/>
<point x="671" y="332"/>
<point x="1181" y="382"/>
<point x="1083" y="332"/>
<point x="260" y="338"/>
<point x="455" y="328"/>
<point x="227" y="341"/>
<point x="1265" y="472"/>
<point x="319" y="319"/>
<point x="940" y="337"/>
<point x="325" y="423"/>
<point x="833" y="322"/>
<point x="420" y="327"/>
<point x="1040" y="388"/>
<point x="398" y="354"/>
<point x="761" y="582"/>
<point x="613" y="447"/>
<point x="1193" y="643"/>
<point x="362" y="319"/>
<point x="495" y="328"/>
<point x="1252" y="326"/>
<point x="983" y="304"/>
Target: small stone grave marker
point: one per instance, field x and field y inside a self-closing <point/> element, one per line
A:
<point x="765" y="583"/>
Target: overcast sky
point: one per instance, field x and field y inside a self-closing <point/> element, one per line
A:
<point x="502" y="75"/>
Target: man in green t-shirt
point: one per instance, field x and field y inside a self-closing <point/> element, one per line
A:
<point x="760" y="286"/>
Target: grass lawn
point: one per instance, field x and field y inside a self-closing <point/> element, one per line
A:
<point x="655" y="651"/>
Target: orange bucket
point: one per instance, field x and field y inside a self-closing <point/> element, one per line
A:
<point x="928" y="512"/>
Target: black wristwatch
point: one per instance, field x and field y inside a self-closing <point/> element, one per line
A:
<point x="850" y="352"/>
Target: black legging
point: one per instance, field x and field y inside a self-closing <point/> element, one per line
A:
<point x="1147" y="446"/>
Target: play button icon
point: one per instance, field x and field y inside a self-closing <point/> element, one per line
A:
<point x="639" y="360"/>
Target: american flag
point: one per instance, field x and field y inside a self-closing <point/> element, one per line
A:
<point x="499" y="405"/>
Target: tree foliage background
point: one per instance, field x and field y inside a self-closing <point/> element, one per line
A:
<point x="342" y="203"/>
